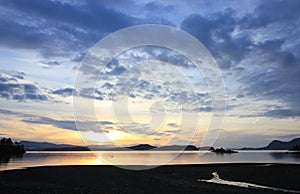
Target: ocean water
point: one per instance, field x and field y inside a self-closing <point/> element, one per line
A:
<point x="52" y="158"/>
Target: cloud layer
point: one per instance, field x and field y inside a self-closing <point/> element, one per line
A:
<point x="256" y="45"/>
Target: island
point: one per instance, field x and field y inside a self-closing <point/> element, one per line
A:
<point x="223" y="151"/>
<point x="9" y="149"/>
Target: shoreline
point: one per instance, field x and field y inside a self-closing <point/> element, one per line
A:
<point x="150" y="166"/>
<point x="163" y="179"/>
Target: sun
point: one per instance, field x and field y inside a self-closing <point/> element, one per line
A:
<point x="91" y="137"/>
<point x="115" y="135"/>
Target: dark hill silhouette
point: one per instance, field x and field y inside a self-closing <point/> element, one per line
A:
<point x="9" y="149"/>
<point x="71" y="148"/>
<point x="37" y="146"/>
<point x="178" y="147"/>
<point x="46" y="146"/>
<point x="30" y="145"/>
<point x="278" y="145"/>
<point x="296" y="148"/>
<point x="142" y="147"/>
<point x="223" y="151"/>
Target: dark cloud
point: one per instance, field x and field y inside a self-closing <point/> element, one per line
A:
<point x="69" y="124"/>
<point x="204" y="109"/>
<point x="89" y="15"/>
<point x="51" y="63"/>
<point x="57" y="28"/>
<point x="172" y="132"/>
<point x="215" y="32"/>
<point x="156" y="6"/>
<point x="21" y="92"/>
<point x="91" y="93"/>
<point x="16" y="35"/>
<point x="65" y="92"/>
<point x="117" y="71"/>
<point x="6" y="79"/>
<point x="280" y="84"/>
<point x="282" y="113"/>
<point x="228" y="38"/>
<point x="231" y="38"/>
<point x="162" y="54"/>
<point x="268" y="12"/>
<point x="19" y="114"/>
<point x="107" y="86"/>
<point x="274" y="54"/>
<point x="66" y="29"/>
<point x="173" y="125"/>
<point x="63" y="124"/>
<point x="19" y="75"/>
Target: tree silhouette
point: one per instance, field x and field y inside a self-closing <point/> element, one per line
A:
<point x="9" y="149"/>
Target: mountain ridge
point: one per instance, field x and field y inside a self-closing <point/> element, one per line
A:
<point x="278" y="145"/>
<point x="46" y="146"/>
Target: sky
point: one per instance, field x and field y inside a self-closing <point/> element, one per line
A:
<point x="45" y="46"/>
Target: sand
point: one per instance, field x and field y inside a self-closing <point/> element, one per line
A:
<point x="164" y="179"/>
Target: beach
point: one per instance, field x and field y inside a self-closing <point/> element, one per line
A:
<point x="164" y="179"/>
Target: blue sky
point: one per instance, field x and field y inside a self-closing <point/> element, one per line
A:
<point x="255" y="43"/>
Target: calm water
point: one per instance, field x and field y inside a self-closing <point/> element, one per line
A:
<point x="46" y="158"/>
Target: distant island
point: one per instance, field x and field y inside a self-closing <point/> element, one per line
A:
<point x="46" y="146"/>
<point x="9" y="149"/>
<point x="223" y="151"/>
<point x="279" y="145"/>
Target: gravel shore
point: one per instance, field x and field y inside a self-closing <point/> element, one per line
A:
<point x="164" y="179"/>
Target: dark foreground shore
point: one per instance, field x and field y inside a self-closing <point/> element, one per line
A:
<point x="164" y="179"/>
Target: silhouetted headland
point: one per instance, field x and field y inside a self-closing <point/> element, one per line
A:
<point x="278" y="145"/>
<point x="223" y="151"/>
<point x="9" y="149"/>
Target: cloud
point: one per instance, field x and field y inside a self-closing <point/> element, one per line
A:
<point x="89" y="15"/>
<point x="107" y="85"/>
<point x="63" y="124"/>
<point x="127" y="74"/>
<point x="282" y="113"/>
<point x="258" y="50"/>
<point x="69" y="124"/>
<point x="10" y="88"/>
<point x="65" y="92"/>
<point x="56" y="28"/>
<point x="263" y="45"/>
<point x="19" y="114"/>
<point x="51" y="63"/>
<point x="64" y="28"/>
<point x="91" y="93"/>
<point x="175" y="125"/>
<point x="19" y="75"/>
<point x="215" y="32"/>
<point x="267" y="13"/>
<point x="5" y="79"/>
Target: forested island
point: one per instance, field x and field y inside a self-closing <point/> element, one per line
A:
<point x="9" y="149"/>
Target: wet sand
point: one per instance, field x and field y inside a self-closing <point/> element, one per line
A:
<point x="164" y="179"/>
